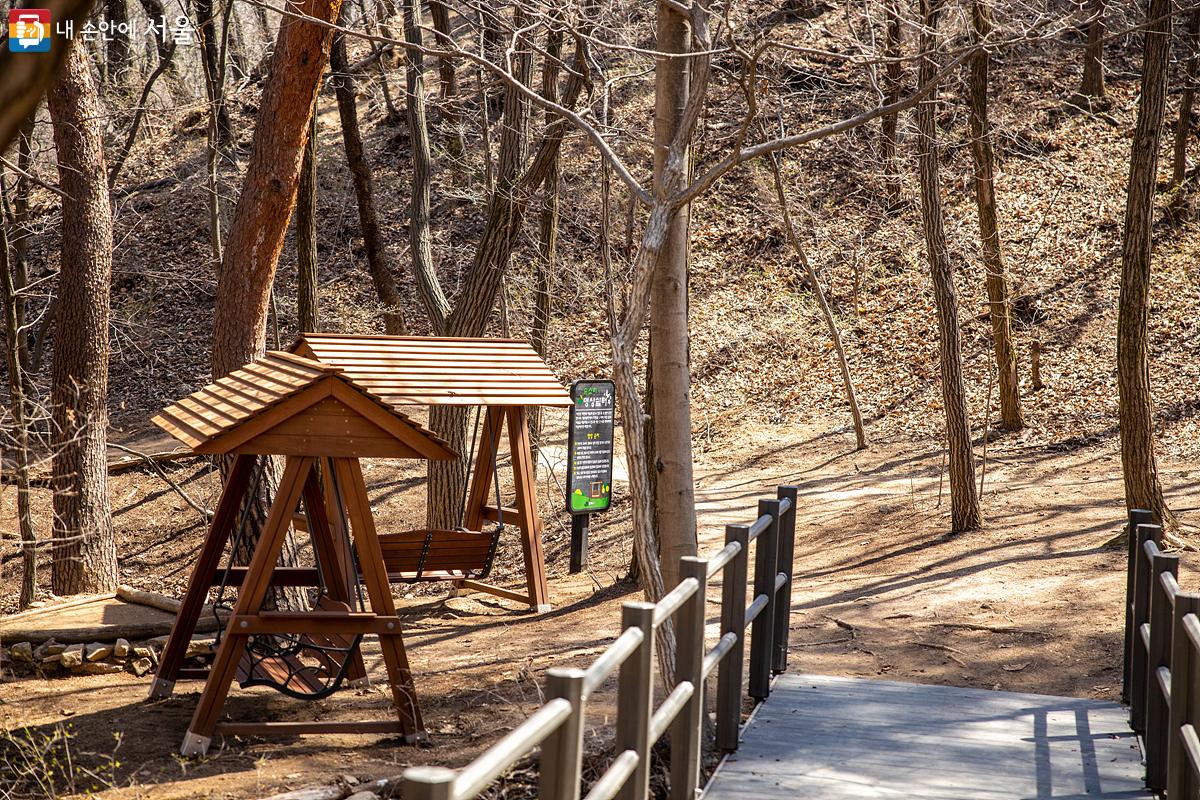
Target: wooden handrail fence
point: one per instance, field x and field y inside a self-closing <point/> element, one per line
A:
<point x="557" y="726"/>
<point x="1161" y="680"/>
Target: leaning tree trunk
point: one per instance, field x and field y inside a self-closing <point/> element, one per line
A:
<point x="1092" y="85"/>
<point x="674" y="490"/>
<point x="999" y="301"/>
<point x="364" y="192"/>
<point x="451" y="116"/>
<point x="964" y="502"/>
<point x="895" y="76"/>
<point x="1183" y="125"/>
<point x="214" y="71"/>
<point x="307" y="305"/>
<point x="1142" y="487"/>
<point x="261" y="217"/>
<point x="85" y="555"/>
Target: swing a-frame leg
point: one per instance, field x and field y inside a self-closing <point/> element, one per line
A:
<point x="248" y="619"/>
<point x="523" y="514"/>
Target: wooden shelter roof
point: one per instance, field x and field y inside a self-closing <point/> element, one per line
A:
<point x="250" y="408"/>
<point x="426" y="370"/>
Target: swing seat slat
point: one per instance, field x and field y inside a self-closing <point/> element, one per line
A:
<point x="434" y="555"/>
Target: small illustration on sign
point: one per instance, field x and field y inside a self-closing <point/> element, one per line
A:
<point x="590" y="447"/>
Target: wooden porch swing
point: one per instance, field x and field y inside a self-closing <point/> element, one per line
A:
<point x="331" y="401"/>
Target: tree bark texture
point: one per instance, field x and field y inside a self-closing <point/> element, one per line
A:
<point x="999" y="300"/>
<point x="964" y="500"/>
<point x="1092" y="84"/>
<point x="269" y="194"/>
<point x="675" y="498"/>
<point x="364" y="192"/>
<point x="1183" y="125"/>
<point x="307" y="300"/>
<point x="1142" y="487"/>
<point x="85" y="556"/>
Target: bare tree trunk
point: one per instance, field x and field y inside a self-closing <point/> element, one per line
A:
<point x="437" y="307"/>
<point x="999" y="301"/>
<point x="214" y="71"/>
<point x="266" y="203"/>
<point x="364" y="193"/>
<point x="307" y="301"/>
<point x="1092" y="85"/>
<point x="85" y="555"/>
<point x="675" y="497"/>
<point x="835" y="335"/>
<point x="116" y="13"/>
<point x="964" y="501"/>
<point x="547" y="234"/>
<point x="1142" y="487"/>
<point x="19" y="405"/>
<point x="895" y="77"/>
<point x="1183" y="125"/>
<point x="451" y="118"/>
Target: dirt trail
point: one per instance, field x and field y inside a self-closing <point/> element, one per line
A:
<point x="1030" y="603"/>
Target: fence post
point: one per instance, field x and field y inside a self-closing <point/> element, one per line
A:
<point x="733" y="620"/>
<point x="687" y="731"/>
<point x="1183" y="658"/>
<point x="427" y="783"/>
<point x="787" y="550"/>
<point x="766" y="566"/>
<point x="1137" y="516"/>
<point x="561" y="762"/>
<point x="1157" y="707"/>
<point x="635" y="698"/>
<point x="1141" y="607"/>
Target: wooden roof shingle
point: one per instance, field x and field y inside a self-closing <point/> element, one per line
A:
<point x="260" y="396"/>
<point x="427" y="370"/>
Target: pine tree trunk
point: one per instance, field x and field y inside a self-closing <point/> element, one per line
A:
<point x="999" y="301"/>
<point x="364" y="192"/>
<point x="964" y="502"/>
<point x="1142" y="487"/>
<point x="85" y="556"/>
<point x="675" y="498"/>
<point x="261" y="217"/>
<point x="1183" y="125"/>
<point x="1093" y="56"/>
<point x="307" y="301"/>
<point x="895" y="77"/>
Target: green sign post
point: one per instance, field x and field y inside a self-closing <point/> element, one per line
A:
<point x="589" y="459"/>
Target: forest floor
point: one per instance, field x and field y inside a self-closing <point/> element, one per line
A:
<point x="1030" y="603"/>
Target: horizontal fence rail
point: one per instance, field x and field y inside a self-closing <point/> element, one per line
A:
<point x="557" y="726"/>
<point x="1162" y="661"/>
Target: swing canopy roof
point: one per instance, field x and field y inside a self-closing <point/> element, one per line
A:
<point x="284" y="404"/>
<point x="439" y="371"/>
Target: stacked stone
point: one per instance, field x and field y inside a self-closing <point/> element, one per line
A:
<point x="97" y="658"/>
